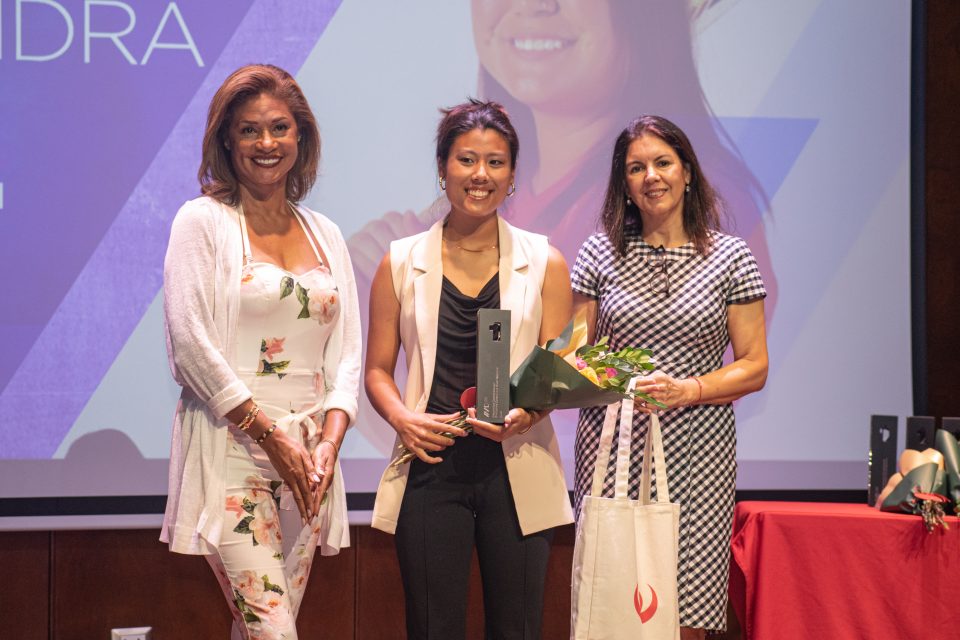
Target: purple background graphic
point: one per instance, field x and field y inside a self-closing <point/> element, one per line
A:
<point x="128" y="151"/>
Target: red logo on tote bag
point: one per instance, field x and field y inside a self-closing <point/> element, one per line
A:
<point x="645" y="614"/>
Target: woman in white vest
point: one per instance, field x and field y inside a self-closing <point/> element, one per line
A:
<point x="500" y="490"/>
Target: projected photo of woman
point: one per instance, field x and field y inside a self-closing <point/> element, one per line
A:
<point x="570" y="73"/>
<point x="263" y="332"/>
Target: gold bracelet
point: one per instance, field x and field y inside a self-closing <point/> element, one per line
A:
<point x="336" y="449"/>
<point x="266" y="434"/>
<point x="534" y="419"/>
<point x="250" y="417"/>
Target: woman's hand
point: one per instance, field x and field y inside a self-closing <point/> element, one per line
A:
<point x="518" y="421"/>
<point x="296" y="469"/>
<point x="325" y="461"/>
<point x="666" y="389"/>
<point x="422" y="432"/>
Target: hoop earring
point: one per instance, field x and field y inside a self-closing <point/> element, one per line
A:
<point x="511" y="190"/>
<point x="443" y="183"/>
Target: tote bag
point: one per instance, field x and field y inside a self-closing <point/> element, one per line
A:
<point x="625" y="554"/>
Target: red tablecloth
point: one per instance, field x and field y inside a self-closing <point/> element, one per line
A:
<point x="837" y="571"/>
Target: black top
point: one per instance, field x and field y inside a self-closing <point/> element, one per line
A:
<point x="456" y="365"/>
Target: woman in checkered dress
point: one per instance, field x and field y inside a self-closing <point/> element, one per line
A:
<point x="662" y="276"/>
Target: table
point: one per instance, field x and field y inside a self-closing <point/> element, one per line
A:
<point x="837" y="571"/>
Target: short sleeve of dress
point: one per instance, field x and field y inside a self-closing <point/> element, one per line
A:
<point x="746" y="283"/>
<point x="585" y="277"/>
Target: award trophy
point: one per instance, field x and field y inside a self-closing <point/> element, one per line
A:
<point x="883" y="454"/>
<point x="493" y="365"/>
<point x="920" y="432"/>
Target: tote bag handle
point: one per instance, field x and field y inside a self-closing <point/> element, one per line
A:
<point x="653" y="444"/>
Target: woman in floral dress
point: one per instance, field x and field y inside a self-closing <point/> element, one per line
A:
<point x="263" y="333"/>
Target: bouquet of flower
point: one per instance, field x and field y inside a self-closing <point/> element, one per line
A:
<point x="918" y="488"/>
<point x="947" y="445"/>
<point x="566" y="373"/>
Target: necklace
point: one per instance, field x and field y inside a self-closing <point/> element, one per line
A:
<point x="463" y="248"/>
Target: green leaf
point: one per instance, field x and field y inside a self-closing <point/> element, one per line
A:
<point x="249" y="616"/>
<point x="269" y="586"/>
<point x="270" y="368"/>
<point x="244" y="527"/>
<point x="278" y="556"/>
<point x="286" y="287"/>
<point x="303" y="295"/>
<point x="249" y="505"/>
<point x="649" y="400"/>
<point x="263" y="345"/>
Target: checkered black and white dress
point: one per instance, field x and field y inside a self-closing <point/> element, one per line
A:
<point x="683" y="319"/>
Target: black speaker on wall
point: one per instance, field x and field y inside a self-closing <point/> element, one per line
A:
<point x="883" y="454"/>
<point x="920" y="432"/>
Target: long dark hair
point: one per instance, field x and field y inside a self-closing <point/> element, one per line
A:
<point x="702" y="206"/>
<point x="216" y="175"/>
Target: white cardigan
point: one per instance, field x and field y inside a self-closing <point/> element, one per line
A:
<point x="533" y="458"/>
<point x="201" y="287"/>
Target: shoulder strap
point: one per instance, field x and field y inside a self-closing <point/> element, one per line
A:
<point x="306" y="232"/>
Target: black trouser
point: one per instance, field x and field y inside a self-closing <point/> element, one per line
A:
<point x="447" y="509"/>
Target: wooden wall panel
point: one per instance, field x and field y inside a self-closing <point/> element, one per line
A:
<point x="25" y="603"/>
<point x="379" y="589"/>
<point x="556" y="603"/>
<point x="107" y="579"/>
<point x="943" y="206"/>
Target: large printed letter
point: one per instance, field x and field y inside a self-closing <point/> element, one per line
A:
<point x="19" y="20"/>
<point x="89" y="35"/>
<point x="189" y="44"/>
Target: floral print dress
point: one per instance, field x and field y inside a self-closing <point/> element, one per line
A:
<point x="285" y="322"/>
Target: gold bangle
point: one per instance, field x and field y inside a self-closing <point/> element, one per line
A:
<point x="534" y="419"/>
<point x="266" y="434"/>
<point x="250" y="417"/>
<point x="336" y="449"/>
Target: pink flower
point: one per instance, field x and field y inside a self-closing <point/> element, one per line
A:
<point x="272" y="599"/>
<point x="235" y="505"/>
<point x="581" y="363"/>
<point x="611" y="372"/>
<point x="300" y="574"/>
<point x="278" y="616"/>
<point x="265" y="526"/>
<point x="323" y="307"/>
<point x="274" y="346"/>
<point x="249" y="585"/>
